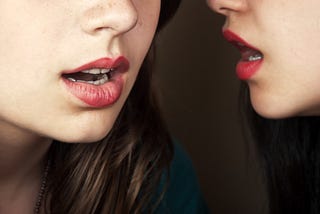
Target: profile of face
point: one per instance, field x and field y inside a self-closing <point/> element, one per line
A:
<point x="67" y="67"/>
<point x="280" y="49"/>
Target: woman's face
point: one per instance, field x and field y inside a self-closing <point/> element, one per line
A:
<point x="282" y="66"/>
<point x="67" y="67"/>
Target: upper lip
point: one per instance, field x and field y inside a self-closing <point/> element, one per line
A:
<point x="102" y="63"/>
<point x="237" y="41"/>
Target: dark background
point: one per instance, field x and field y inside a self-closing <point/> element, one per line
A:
<point x="199" y="94"/>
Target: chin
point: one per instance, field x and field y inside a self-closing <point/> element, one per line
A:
<point x="273" y="108"/>
<point x="87" y="136"/>
<point x="89" y="127"/>
<point x="271" y="113"/>
<point x="281" y="107"/>
<point x="87" y="139"/>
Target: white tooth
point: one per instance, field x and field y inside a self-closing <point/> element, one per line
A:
<point x="102" y="81"/>
<point x="82" y="81"/>
<point x="85" y="71"/>
<point x="92" y="71"/>
<point x="97" y="82"/>
<point x="90" y="82"/>
<point x="71" y="79"/>
<point x="255" y="57"/>
<point x="95" y="71"/>
<point x="104" y="71"/>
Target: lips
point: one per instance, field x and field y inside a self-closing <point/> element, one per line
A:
<point x="251" y="57"/>
<point x="99" y="83"/>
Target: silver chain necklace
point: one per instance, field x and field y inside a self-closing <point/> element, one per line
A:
<point x="43" y="188"/>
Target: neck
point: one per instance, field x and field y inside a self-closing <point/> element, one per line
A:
<point x="21" y="153"/>
<point x="22" y="158"/>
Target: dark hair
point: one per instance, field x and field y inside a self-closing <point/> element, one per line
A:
<point x="289" y="151"/>
<point x="120" y="173"/>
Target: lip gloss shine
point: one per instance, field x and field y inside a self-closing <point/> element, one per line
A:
<point x="99" y="96"/>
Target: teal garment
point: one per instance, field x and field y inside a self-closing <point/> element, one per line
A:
<point x="183" y="195"/>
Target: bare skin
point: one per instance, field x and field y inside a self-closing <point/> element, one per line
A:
<point x="21" y="164"/>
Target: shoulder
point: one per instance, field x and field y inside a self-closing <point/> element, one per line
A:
<point x="182" y="194"/>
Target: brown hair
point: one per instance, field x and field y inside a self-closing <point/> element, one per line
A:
<point x="120" y="173"/>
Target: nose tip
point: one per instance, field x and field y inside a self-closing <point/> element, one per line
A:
<point x="225" y="6"/>
<point x="116" y="16"/>
<point x="213" y="5"/>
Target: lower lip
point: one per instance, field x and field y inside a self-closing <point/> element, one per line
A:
<point x="97" y="96"/>
<point x="246" y="69"/>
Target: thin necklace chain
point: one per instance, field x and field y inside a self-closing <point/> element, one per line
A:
<point x="43" y="188"/>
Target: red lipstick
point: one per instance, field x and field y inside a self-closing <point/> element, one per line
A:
<point x="99" y="83"/>
<point x="251" y="59"/>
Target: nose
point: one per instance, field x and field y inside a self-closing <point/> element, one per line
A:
<point x="224" y="7"/>
<point x="116" y="16"/>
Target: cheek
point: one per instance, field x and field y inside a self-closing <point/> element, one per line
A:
<point x="25" y="48"/>
<point x="291" y="48"/>
<point x="148" y="12"/>
<point x="24" y="67"/>
<point x="294" y="60"/>
<point x="137" y="42"/>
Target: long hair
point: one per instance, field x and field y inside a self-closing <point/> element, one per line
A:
<point x="289" y="151"/>
<point x="120" y="173"/>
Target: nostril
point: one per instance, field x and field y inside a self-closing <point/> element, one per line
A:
<point x="222" y="10"/>
<point x="217" y="6"/>
<point x="100" y="28"/>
